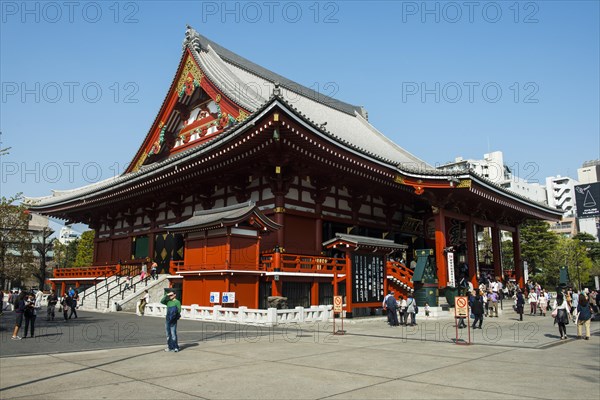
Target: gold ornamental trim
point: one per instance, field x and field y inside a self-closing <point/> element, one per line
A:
<point x="399" y="179"/>
<point x="465" y="183"/>
<point x="192" y="69"/>
<point x="280" y="210"/>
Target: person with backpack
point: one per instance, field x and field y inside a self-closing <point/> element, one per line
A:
<point x="172" y="316"/>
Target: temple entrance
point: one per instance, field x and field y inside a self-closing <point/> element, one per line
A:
<point x="167" y="247"/>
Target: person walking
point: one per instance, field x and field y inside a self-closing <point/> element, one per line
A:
<point x="402" y="307"/>
<point x="30" y="314"/>
<point x="392" y="306"/>
<point x="172" y="316"/>
<point x="145" y="300"/>
<point x="144" y="271"/>
<point x="153" y="271"/>
<point x="52" y="300"/>
<point x="574" y="303"/>
<point x="493" y="302"/>
<point x="561" y="313"/>
<point x="19" y="310"/>
<point x="73" y="305"/>
<point x="477" y="309"/>
<point x="533" y="300"/>
<point x="411" y="308"/>
<point x="543" y="303"/>
<point x="584" y="312"/>
<point x="520" y="304"/>
<point x="66" y="305"/>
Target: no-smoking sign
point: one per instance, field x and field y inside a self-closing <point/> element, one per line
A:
<point x="461" y="307"/>
<point x="337" y="303"/>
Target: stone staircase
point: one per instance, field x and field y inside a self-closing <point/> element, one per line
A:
<point x="114" y="293"/>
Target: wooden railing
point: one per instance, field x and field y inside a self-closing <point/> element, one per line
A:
<point x="303" y="263"/>
<point x="93" y="271"/>
<point x="401" y="272"/>
<point x="180" y="266"/>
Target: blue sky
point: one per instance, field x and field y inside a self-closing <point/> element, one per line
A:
<point x="82" y="83"/>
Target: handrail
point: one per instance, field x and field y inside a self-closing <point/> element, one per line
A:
<point x="289" y="263"/>
<point x="401" y="272"/>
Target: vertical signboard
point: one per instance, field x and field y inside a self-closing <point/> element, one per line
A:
<point x="367" y="278"/>
<point x="451" y="278"/>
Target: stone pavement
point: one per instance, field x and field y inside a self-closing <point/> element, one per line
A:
<point x="121" y="356"/>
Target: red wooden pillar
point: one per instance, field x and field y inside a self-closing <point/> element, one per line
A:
<point x="517" y="258"/>
<point x="335" y="283"/>
<point x="440" y="245"/>
<point x="348" y="281"/>
<point x="63" y="288"/>
<point x="256" y="293"/>
<point x="228" y="249"/>
<point x="279" y="217"/>
<point x="471" y="252"/>
<point x="276" y="287"/>
<point x="314" y="293"/>
<point x="53" y="286"/>
<point x="496" y="251"/>
<point x="318" y="228"/>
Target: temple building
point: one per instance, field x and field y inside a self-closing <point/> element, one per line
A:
<point x="248" y="182"/>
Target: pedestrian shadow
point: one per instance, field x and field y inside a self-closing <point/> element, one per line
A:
<point x="188" y="345"/>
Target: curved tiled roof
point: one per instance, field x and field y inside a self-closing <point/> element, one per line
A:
<point x="256" y="88"/>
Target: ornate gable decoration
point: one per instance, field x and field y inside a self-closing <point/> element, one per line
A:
<point x="194" y="112"/>
<point x="190" y="78"/>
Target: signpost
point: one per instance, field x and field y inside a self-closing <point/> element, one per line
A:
<point x="461" y="310"/>
<point x="338" y="308"/>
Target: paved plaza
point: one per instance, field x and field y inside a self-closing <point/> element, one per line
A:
<point x="120" y="355"/>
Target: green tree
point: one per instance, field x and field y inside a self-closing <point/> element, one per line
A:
<point x="42" y="245"/>
<point x="508" y="261"/>
<point x="85" y="249"/>
<point x="16" y="254"/>
<point x="537" y="244"/>
<point x="64" y="254"/>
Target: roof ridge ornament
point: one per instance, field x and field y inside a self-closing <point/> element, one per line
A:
<point x="192" y="38"/>
<point x="277" y="90"/>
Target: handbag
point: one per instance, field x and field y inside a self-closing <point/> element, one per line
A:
<point x="554" y="313"/>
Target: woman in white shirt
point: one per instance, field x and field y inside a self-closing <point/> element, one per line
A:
<point x="562" y="315"/>
<point x="533" y="299"/>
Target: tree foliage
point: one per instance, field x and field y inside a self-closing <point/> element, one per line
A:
<point x="85" y="249"/>
<point x="537" y="244"/>
<point x="65" y="254"/>
<point x="546" y="252"/>
<point x="16" y="254"/>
